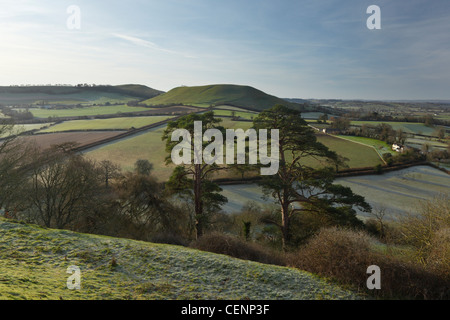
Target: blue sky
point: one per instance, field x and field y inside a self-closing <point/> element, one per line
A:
<point x="288" y="48"/>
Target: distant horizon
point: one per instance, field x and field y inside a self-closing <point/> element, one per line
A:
<point x="434" y="100"/>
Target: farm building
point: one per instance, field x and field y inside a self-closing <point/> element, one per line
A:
<point x="398" y="147"/>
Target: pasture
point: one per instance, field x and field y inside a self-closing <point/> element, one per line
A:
<point x="120" y="123"/>
<point x="240" y="114"/>
<point x="232" y="108"/>
<point x="64" y="95"/>
<point x="407" y="127"/>
<point x="147" y="145"/>
<point x="380" y="146"/>
<point x="21" y="128"/>
<point x="84" y="111"/>
<point x="359" y="155"/>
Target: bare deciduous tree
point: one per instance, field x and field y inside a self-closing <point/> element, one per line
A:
<point x="62" y="187"/>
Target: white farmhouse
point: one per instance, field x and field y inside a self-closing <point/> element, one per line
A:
<point x="397" y="147"/>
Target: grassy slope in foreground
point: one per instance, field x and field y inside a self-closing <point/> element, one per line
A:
<point x="243" y="96"/>
<point x="34" y="261"/>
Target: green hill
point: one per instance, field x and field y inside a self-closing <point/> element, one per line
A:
<point x="138" y="90"/>
<point x="223" y="94"/>
<point x="70" y="95"/>
<point x="34" y="262"/>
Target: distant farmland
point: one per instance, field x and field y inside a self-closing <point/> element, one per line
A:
<point x="407" y="127"/>
<point x="380" y="146"/>
<point x="88" y="98"/>
<point x="73" y="95"/>
<point x="399" y="191"/>
<point x="82" y="138"/>
<point x="86" y="111"/>
<point x="358" y="155"/>
<point x="240" y="114"/>
<point x="125" y="152"/>
<point x="20" y="128"/>
<point x="149" y="146"/>
<point x="396" y="191"/>
<point x="120" y="123"/>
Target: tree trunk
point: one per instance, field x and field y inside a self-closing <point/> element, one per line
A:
<point x="198" y="202"/>
<point x="285" y="225"/>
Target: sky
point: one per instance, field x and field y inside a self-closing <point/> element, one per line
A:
<point x="288" y="48"/>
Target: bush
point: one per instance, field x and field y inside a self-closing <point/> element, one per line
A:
<point x="237" y="248"/>
<point x="439" y="256"/>
<point x="378" y="169"/>
<point x="345" y="255"/>
<point x="419" y="229"/>
<point x="336" y="253"/>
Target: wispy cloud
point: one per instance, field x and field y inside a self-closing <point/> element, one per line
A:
<point x="148" y="44"/>
<point x="301" y="48"/>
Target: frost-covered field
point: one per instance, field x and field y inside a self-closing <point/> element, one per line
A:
<point x="402" y="190"/>
<point x="34" y="261"/>
<point x="396" y="191"/>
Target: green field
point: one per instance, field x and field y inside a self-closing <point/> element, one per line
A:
<point x="313" y="115"/>
<point x="380" y="146"/>
<point x="86" y="111"/>
<point x="150" y="146"/>
<point x="20" y="128"/>
<point x="143" y="146"/>
<point x="241" y="114"/>
<point x="34" y="262"/>
<point x="359" y="155"/>
<point x="407" y="127"/>
<point x="147" y="146"/>
<point x="87" y="98"/>
<point x="230" y="124"/>
<point x="123" y="123"/>
<point x="232" y="108"/>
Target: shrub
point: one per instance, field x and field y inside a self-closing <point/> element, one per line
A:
<point x="439" y="256"/>
<point x="237" y="248"/>
<point x="378" y="169"/>
<point x="336" y="253"/>
<point x="345" y="255"/>
<point x="420" y="229"/>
